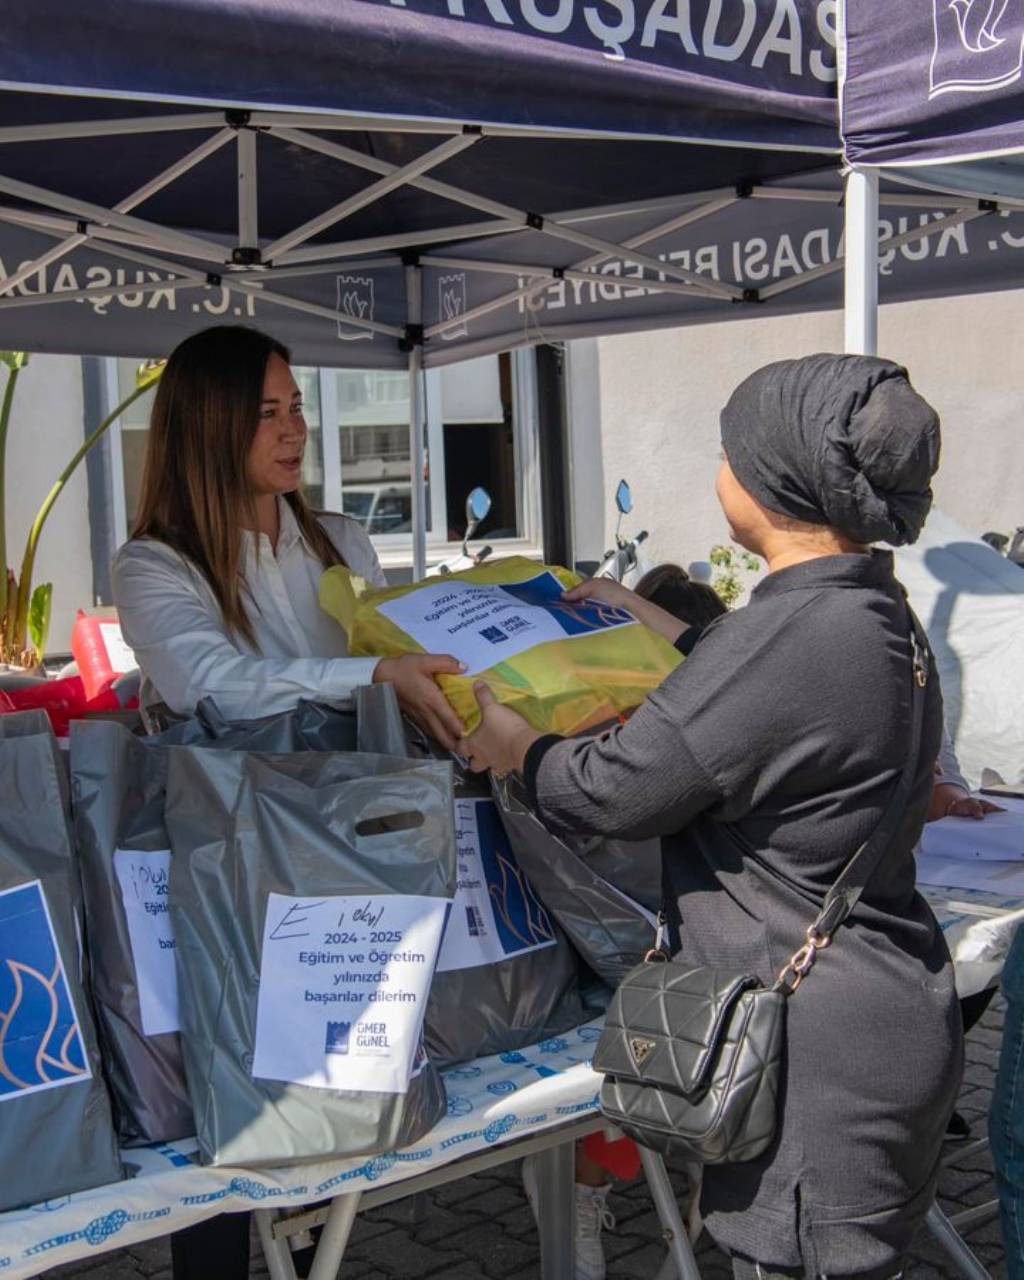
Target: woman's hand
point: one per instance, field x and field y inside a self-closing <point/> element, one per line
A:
<point x="951" y="801"/>
<point x="607" y="590"/>
<point x="502" y="740"/>
<point x="419" y="695"/>
<point x="610" y="592"/>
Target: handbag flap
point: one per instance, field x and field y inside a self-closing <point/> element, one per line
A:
<point x="666" y="1023"/>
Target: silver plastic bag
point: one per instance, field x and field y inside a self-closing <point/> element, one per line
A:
<point x="308" y="897"/>
<point x="603" y="892"/>
<point x="56" y="1134"/>
<point x="374" y="723"/>
<point x="119" y="782"/>
<point x="506" y="976"/>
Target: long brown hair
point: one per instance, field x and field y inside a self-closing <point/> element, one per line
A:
<point x="195" y="495"/>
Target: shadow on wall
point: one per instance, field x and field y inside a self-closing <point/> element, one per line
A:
<point x="971" y="602"/>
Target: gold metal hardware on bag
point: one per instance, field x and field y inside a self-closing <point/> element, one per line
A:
<point x="641" y="1049"/>
<point x="920" y="661"/>
<point x="801" y="962"/>
<point x="658" y="953"/>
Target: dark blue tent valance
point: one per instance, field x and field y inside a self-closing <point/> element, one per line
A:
<point x="933" y="82"/>
<point x="761" y="72"/>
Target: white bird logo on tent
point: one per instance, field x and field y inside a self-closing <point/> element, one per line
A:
<point x="353" y="305"/>
<point x="452" y="304"/>
<point x="978" y="36"/>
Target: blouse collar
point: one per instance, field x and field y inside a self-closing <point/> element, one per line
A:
<point x="874" y="569"/>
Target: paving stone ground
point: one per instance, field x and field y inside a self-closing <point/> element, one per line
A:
<point x="481" y="1228"/>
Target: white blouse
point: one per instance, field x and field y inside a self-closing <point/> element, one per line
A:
<point x="171" y="619"/>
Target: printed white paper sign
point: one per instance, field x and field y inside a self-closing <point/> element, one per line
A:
<point x="40" y="1039"/>
<point x="495" y="914"/>
<point x="120" y="657"/>
<point x="343" y="988"/>
<point x="483" y="625"/>
<point x="1000" y="838"/>
<point x="145" y="880"/>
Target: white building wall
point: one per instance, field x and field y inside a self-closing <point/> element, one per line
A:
<point x="46" y="429"/>
<point x="645" y="407"/>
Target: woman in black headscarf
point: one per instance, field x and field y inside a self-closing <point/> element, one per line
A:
<point x="764" y="761"/>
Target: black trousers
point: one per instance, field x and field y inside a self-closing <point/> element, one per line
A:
<point x="217" y="1247"/>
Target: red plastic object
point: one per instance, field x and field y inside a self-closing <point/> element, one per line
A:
<point x="620" y="1158"/>
<point x="62" y="700"/>
<point x="100" y="651"/>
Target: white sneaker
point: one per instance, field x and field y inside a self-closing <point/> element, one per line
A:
<point x="592" y="1216"/>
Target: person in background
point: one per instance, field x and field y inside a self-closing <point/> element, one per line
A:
<point x="952" y="798"/>
<point x="763" y="762"/>
<point x="671" y="588"/>
<point x="217" y="588"/>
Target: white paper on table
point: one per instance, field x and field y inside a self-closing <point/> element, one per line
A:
<point x="343" y="989"/>
<point x="997" y="837"/>
<point x="1012" y="804"/>
<point x="144" y="878"/>
<point x="484" y="624"/>
<point x="495" y="914"/>
<point x="974" y="873"/>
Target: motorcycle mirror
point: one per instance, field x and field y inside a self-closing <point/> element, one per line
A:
<point x="624" y="498"/>
<point x="478" y="504"/>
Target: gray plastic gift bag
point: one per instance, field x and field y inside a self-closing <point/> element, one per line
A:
<point x="373" y="723"/>
<point x="56" y="1134"/>
<point x="308" y="897"/>
<point x="506" y="976"/>
<point x="604" y="893"/>
<point x="119" y="783"/>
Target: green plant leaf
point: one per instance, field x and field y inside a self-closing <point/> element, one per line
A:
<point x="14" y="360"/>
<point x="39" y="611"/>
<point x="148" y="373"/>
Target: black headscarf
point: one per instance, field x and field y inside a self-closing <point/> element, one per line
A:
<point x="844" y="441"/>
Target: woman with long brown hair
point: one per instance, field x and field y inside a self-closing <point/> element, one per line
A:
<point x="217" y="588"/>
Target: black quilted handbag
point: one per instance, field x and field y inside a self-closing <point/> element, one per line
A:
<point x="692" y="1055"/>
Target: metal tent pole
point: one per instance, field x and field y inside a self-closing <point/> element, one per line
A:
<point x="414" y="316"/>
<point x="861" y="272"/>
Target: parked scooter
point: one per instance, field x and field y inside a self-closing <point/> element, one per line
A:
<point x="622" y="562"/>
<point x="478" y="505"/>
<point x="1012" y="548"/>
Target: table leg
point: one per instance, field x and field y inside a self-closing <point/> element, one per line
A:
<point x="945" y="1233"/>
<point x="673" y="1229"/>
<point x="556" y="1210"/>
<point x="275" y="1248"/>
<point x="334" y="1237"/>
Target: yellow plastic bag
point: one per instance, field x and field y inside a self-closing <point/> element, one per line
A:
<point x="563" y="667"/>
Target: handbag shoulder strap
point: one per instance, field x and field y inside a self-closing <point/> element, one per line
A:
<point x="851" y="882"/>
